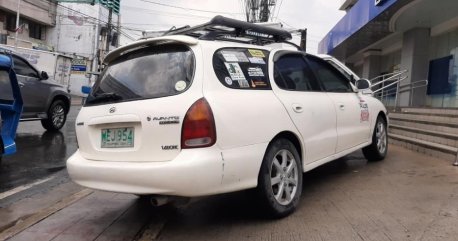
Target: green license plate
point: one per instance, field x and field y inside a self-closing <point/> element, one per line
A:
<point x="118" y="137"/>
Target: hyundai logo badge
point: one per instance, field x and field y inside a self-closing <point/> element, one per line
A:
<point x="112" y="110"/>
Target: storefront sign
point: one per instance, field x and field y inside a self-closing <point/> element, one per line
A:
<point x="79" y="68"/>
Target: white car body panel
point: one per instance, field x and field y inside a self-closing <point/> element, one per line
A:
<point x="351" y="131"/>
<point x="246" y="122"/>
<point x="149" y="136"/>
<point x="319" y="137"/>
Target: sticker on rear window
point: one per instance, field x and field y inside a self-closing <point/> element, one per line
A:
<point x="258" y="83"/>
<point x="231" y="56"/>
<point x="180" y="85"/>
<point x="257" y="60"/>
<point x="243" y="83"/>
<point x="256" y="53"/>
<point x="235" y="71"/>
<point x="228" y="80"/>
<point x="255" y="72"/>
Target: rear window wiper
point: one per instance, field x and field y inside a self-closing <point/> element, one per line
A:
<point x="105" y="96"/>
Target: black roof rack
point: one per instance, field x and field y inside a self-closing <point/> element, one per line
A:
<point x="228" y="29"/>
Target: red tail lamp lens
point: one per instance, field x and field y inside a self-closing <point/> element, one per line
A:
<point x="198" y="126"/>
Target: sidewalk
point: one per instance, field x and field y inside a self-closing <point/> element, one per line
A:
<point x="407" y="197"/>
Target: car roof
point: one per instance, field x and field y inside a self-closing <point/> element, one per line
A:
<point x="233" y="30"/>
<point x="219" y="29"/>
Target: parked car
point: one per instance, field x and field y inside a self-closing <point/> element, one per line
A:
<point x="44" y="99"/>
<point x="199" y="112"/>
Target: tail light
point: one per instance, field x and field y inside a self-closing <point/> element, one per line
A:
<point x="198" y="126"/>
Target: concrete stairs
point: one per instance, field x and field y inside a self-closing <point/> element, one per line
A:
<point x="430" y="131"/>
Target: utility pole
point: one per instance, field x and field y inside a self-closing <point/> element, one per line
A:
<point x="17" y="23"/>
<point x="110" y="13"/>
<point x="118" y="30"/>
<point x="303" y="44"/>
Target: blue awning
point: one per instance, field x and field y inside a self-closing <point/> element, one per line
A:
<point x="360" y="15"/>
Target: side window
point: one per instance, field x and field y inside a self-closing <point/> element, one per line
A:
<point x="6" y="92"/>
<point x="348" y="76"/>
<point x="292" y="73"/>
<point x="331" y="79"/>
<point x="23" y="68"/>
<point x="242" y="68"/>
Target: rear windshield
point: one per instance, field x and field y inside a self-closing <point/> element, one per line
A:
<point x="146" y="73"/>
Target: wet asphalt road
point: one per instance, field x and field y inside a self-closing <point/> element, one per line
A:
<point x="40" y="153"/>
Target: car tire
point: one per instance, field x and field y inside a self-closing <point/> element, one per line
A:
<point x="57" y="115"/>
<point x="280" y="179"/>
<point x="378" y="149"/>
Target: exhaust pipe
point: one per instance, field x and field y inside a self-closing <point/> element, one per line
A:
<point x="159" y="201"/>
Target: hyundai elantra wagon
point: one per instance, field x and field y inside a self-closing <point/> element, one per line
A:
<point x="221" y="107"/>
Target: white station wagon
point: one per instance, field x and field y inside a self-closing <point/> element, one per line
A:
<point x="221" y="107"/>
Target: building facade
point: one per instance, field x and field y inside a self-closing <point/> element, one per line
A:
<point x="81" y="31"/>
<point x="382" y="36"/>
<point x="37" y="17"/>
<point x="75" y="28"/>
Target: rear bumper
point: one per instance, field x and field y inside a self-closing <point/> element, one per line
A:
<point x="194" y="172"/>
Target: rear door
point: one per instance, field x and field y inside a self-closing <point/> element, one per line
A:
<point x="136" y="109"/>
<point x="353" y="124"/>
<point x="311" y="109"/>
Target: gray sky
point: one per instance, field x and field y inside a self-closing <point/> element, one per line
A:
<point x="318" y="16"/>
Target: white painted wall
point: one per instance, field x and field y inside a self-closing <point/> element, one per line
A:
<point x="79" y="35"/>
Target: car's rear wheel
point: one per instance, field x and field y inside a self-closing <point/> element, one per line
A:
<point x="57" y="115"/>
<point x="280" y="178"/>
<point x="379" y="147"/>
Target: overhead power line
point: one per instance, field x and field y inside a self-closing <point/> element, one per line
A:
<point x="99" y="21"/>
<point x="259" y="11"/>
<point x="185" y="8"/>
<point x="150" y="11"/>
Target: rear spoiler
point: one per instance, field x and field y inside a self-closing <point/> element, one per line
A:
<point x="149" y="42"/>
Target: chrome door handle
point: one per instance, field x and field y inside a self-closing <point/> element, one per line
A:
<point x="297" y="108"/>
<point x="21" y="84"/>
<point x="342" y="106"/>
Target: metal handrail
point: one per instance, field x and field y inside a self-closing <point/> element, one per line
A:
<point x="385" y="87"/>
<point x="391" y="77"/>
<point x="403" y="86"/>
<point x="395" y="79"/>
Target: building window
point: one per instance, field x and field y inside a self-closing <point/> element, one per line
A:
<point x="11" y="23"/>
<point x="36" y="31"/>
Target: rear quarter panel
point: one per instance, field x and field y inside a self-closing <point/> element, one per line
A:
<point x="243" y="116"/>
<point x="246" y="121"/>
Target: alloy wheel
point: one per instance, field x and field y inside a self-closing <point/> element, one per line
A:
<point x="284" y="177"/>
<point x="380" y="134"/>
<point x="58" y="115"/>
